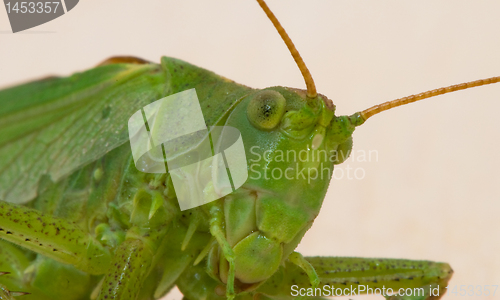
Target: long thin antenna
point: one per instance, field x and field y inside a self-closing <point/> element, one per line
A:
<point x="311" y="88"/>
<point x="365" y="114"/>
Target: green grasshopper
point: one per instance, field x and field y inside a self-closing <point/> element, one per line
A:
<point x="110" y="236"/>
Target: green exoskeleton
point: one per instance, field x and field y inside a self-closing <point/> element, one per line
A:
<point x="92" y="225"/>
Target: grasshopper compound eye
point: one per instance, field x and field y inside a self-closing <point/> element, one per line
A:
<point x="266" y="109"/>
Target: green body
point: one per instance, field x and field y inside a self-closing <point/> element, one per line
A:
<point x="90" y="225"/>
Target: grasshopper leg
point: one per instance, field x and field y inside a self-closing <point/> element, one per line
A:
<point x="301" y="262"/>
<point x="129" y="267"/>
<point x="416" y="278"/>
<point x="217" y="230"/>
<point x="133" y="260"/>
<point x="52" y="237"/>
<point x="23" y="274"/>
<point x="397" y="279"/>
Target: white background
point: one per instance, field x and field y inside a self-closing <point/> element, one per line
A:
<point x="434" y="191"/>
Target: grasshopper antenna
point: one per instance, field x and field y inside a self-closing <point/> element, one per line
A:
<point x="311" y="88"/>
<point x="362" y="116"/>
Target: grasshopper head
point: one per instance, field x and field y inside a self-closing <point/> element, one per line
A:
<point x="291" y="144"/>
<point x="292" y="140"/>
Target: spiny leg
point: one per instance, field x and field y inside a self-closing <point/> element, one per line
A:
<point x="13" y="262"/>
<point x="352" y="276"/>
<point x="6" y="294"/>
<point x="129" y="267"/>
<point x="133" y="259"/>
<point x="43" y="278"/>
<point x="426" y="279"/>
<point x="52" y="237"/>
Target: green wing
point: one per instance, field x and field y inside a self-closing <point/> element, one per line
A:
<point x="56" y="125"/>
